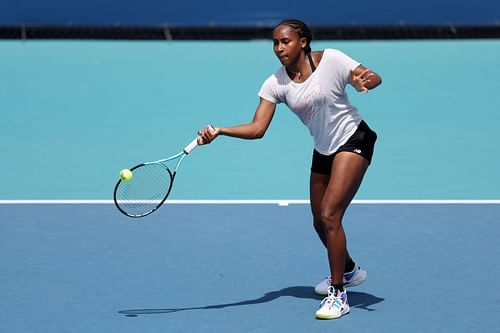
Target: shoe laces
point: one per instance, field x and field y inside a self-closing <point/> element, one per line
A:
<point x="330" y="297"/>
<point x="334" y="298"/>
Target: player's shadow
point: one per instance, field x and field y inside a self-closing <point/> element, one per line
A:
<point x="359" y="300"/>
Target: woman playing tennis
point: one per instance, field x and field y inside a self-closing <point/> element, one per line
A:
<point x="312" y="85"/>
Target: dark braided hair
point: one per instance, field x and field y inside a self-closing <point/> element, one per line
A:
<point x="302" y="29"/>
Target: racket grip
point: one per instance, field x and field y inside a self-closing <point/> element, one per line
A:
<point x="190" y="147"/>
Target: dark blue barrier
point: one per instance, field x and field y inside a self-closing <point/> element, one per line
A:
<point x="256" y="13"/>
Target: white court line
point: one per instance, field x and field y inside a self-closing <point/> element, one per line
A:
<point x="283" y="202"/>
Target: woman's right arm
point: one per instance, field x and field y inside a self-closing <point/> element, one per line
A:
<point x="253" y="130"/>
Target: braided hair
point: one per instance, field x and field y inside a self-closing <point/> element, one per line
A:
<point x="302" y="30"/>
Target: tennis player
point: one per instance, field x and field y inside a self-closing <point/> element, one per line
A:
<point x="313" y="85"/>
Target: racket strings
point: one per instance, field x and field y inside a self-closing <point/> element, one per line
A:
<point x="146" y="190"/>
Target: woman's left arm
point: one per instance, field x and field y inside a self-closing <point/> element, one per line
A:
<point x="364" y="79"/>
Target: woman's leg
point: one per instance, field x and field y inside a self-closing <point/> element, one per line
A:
<point x="347" y="173"/>
<point x="318" y="185"/>
<point x="317" y="189"/>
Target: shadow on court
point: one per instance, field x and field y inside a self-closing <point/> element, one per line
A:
<point x="358" y="300"/>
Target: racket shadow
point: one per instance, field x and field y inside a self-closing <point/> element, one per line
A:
<point x="359" y="300"/>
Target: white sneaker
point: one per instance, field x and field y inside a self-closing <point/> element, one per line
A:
<point x="334" y="305"/>
<point x="351" y="279"/>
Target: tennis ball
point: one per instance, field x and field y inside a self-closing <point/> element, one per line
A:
<point x="126" y="175"/>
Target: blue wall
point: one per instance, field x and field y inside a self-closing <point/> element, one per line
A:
<point x="251" y="13"/>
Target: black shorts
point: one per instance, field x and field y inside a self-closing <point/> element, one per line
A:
<point x="362" y="142"/>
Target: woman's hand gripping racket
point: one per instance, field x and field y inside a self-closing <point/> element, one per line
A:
<point x="149" y="185"/>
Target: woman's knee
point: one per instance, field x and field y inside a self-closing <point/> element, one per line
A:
<point x="331" y="218"/>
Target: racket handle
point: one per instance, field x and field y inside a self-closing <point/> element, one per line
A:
<point x="190" y="147"/>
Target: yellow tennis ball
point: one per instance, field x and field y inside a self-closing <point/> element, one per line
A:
<point x="126" y="175"/>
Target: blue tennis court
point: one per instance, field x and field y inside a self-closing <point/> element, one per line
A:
<point x="251" y="268"/>
<point x="235" y="250"/>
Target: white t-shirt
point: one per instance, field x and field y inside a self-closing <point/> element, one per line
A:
<point x="320" y="102"/>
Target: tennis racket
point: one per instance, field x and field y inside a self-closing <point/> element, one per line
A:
<point x="150" y="185"/>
